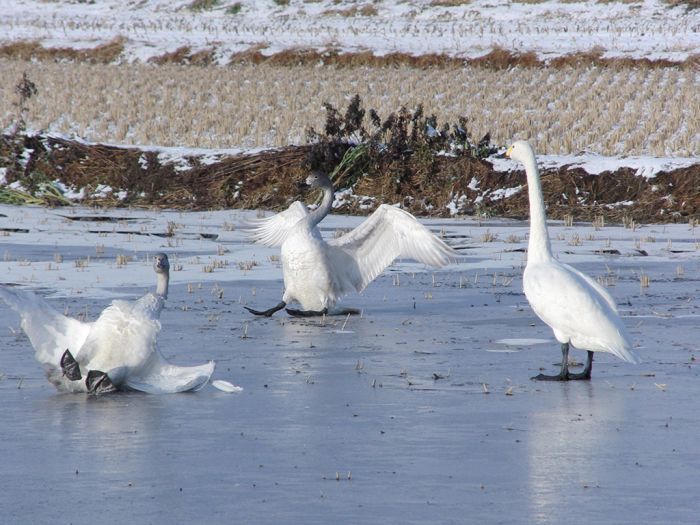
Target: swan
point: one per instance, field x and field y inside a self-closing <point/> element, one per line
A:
<point x="579" y="311"/>
<point x="317" y="273"/>
<point x="115" y="352"/>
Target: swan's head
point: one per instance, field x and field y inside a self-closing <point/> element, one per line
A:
<point x="161" y="263"/>
<point x="317" y="179"/>
<point x="521" y="151"/>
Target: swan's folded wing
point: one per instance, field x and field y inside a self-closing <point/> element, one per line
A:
<point x="602" y="292"/>
<point x="50" y="332"/>
<point x="385" y="235"/>
<point x="272" y="231"/>
<point x="162" y="377"/>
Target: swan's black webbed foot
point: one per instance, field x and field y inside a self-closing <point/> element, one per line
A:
<point x="70" y="366"/>
<point x="568" y="377"/>
<point x="347" y="311"/>
<point x="557" y="377"/>
<point x="306" y="313"/>
<point x="564" y="374"/>
<point x="98" y="382"/>
<point x="268" y="312"/>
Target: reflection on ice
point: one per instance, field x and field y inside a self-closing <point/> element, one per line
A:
<point x="568" y="444"/>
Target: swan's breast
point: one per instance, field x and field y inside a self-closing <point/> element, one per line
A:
<point x="150" y="305"/>
<point x="307" y="274"/>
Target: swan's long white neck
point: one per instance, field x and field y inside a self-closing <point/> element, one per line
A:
<point x="538" y="248"/>
<point x="324" y="208"/>
<point x="162" y="279"/>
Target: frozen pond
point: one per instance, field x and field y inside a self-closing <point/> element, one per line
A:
<point x="419" y="411"/>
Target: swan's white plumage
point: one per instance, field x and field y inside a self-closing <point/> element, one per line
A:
<point x="578" y="314"/>
<point x="121" y="342"/>
<point x="317" y="273"/>
<point x="387" y="234"/>
<point x="578" y="309"/>
<point x="274" y="230"/>
<point x="49" y="332"/>
<point x="225" y="386"/>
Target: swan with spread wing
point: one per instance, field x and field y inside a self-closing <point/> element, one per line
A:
<point x="318" y="272"/>
<point x="115" y="352"/>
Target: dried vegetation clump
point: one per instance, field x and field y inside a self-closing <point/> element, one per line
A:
<point x="407" y="157"/>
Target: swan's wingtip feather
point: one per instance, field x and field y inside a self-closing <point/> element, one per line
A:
<point x="633" y="357"/>
<point x="225" y="386"/>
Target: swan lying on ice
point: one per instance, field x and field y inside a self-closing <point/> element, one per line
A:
<point x="117" y="351"/>
<point x="317" y="273"/>
<point x="579" y="310"/>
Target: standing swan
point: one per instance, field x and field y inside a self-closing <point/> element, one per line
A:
<point x="117" y="351"/>
<point x="579" y="311"/>
<point x="317" y="273"/>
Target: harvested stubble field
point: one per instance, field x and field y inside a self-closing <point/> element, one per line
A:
<point x="616" y="110"/>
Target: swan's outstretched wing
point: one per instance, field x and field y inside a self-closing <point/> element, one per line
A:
<point x="162" y="377"/>
<point x="385" y="235"/>
<point x="50" y="332"/>
<point x="272" y="231"/>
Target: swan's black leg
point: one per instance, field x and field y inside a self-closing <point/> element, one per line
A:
<point x="268" y="312"/>
<point x="98" y="382"/>
<point x="70" y="366"/>
<point x="563" y="374"/>
<point x="586" y="374"/>
<point x="306" y="313"/>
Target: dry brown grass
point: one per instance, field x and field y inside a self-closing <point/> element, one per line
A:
<point x="184" y="55"/>
<point x="498" y="58"/>
<point x="690" y="4"/>
<point x="449" y="3"/>
<point x="356" y="10"/>
<point x="611" y="110"/>
<point x="30" y="50"/>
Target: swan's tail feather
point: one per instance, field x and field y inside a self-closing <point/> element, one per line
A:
<point x="626" y="354"/>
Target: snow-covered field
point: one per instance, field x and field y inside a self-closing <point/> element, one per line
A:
<point x="649" y="28"/>
<point x="419" y="411"/>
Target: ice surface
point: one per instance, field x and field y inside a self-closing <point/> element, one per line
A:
<point x="404" y="417"/>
